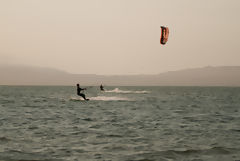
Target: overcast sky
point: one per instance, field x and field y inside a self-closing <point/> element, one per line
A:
<point x="119" y="36"/>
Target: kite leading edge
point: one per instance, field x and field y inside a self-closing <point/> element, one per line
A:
<point x="164" y="35"/>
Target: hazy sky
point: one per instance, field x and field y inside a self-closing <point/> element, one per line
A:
<point x="119" y="36"/>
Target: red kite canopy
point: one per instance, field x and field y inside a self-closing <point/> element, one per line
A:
<point x="164" y="35"/>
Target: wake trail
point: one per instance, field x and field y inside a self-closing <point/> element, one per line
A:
<point x="117" y="90"/>
<point x="101" y="98"/>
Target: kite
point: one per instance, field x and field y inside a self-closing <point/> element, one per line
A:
<point x="164" y="35"/>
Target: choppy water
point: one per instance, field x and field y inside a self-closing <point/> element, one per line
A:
<point x="123" y="123"/>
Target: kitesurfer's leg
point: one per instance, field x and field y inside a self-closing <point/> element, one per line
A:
<point x="83" y="96"/>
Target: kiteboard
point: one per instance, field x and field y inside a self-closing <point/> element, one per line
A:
<point x="78" y="99"/>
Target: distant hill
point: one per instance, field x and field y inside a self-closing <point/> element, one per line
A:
<point x="207" y="76"/>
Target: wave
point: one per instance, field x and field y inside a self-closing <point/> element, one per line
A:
<point x="4" y="139"/>
<point x="117" y="90"/>
<point x="210" y="151"/>
<point x="187" y="154"/>
<point x="101" y="98"/>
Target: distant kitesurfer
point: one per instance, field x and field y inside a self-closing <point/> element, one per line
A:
<point x="79" y="92"/>
<point x="101" y="87"/>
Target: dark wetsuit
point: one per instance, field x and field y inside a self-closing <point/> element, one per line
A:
<point x="101" y="87"/>
<point x="81" y="94"/>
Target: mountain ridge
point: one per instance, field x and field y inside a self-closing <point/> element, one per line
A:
<point x="205" y="76"/>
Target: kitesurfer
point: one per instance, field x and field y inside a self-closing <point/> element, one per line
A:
<point x="81" y="94"/>
<point x="101" y="87"/>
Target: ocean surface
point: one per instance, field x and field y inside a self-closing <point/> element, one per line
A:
<point x="46" y="123"/>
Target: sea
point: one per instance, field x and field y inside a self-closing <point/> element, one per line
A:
<point x="52" y="123"/>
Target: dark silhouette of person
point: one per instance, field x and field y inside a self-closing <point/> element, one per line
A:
<point x="81" y="94"/>
<point x="101" y="87"/>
